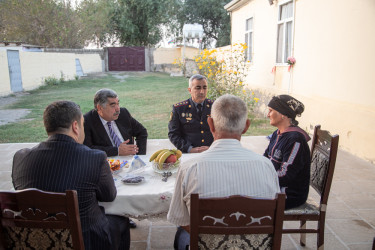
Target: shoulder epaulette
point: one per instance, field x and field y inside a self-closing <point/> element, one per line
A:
<point x="179" y="104"/>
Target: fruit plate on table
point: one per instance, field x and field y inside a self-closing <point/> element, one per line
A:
<point x="165" y="160"/>
<point x="117" y="165"/>
<point x="165" y="167"/>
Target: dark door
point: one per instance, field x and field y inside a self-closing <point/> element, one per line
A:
<point x="126" y="59"/>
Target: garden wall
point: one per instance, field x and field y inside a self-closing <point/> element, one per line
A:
<point x="57" y="63"/>
<point x="166" y="60"/>
<point x="39" y="64"/>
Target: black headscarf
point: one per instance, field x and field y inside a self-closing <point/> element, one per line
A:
<point x="288" y="106"/>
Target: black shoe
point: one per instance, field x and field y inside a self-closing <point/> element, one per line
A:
<point x="132" y="224"/>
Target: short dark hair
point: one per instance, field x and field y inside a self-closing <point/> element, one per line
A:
<point x="196" y="77"/>
<point x="102" y="95"/>
<point x="60" y="115"/>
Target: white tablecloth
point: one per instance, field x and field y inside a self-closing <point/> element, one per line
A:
<point x="149" y="199"/>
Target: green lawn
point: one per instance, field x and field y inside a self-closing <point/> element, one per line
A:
<point x="148" y="96"/>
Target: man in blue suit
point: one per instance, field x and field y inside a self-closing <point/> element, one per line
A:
<point x="62" y="163"/>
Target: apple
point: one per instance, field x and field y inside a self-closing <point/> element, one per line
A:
<point x="171" y="159"/>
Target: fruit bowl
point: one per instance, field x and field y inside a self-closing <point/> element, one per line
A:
<point x="165" y="167"/>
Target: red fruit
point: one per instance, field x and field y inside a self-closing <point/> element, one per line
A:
<point x="171" y="159"/>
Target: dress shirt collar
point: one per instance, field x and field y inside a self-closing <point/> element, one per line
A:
<point x="196" y="104"/>
<point x="103" y="121"/>
<point x="225" y="143"/>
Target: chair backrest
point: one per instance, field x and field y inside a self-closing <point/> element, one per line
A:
<point x="32" y="218"/>
<point x="220" y="222"/>
<point x="323" y="159"/>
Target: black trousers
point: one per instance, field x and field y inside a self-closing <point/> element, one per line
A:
<point x="120" y="232"/>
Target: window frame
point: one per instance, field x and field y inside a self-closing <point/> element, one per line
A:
<point x="249" y="49"/>
<point x="284" y="23"/>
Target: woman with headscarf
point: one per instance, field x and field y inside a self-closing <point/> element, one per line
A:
<point x="288" y="149"/>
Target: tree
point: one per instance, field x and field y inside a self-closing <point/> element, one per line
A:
<point x="96" y="17"/>
<point x="213" y="17"/>
<point x="41" y="22"/>
<point x="139" y="22"/>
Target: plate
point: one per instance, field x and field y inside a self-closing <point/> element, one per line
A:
<point x="165" y="167"/>
<point x="131" y="179"/>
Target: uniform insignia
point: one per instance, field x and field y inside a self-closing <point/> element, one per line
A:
<point x="190" y="115"/>
<point x="208" y="106"/>
<point x="183" y="114"/>
<point x="188" y="118"/>
<point x="210" y="101"/>
<point x="179" y="104"/>
<point x="170" y="117"/>
<point x="189" y="106"/>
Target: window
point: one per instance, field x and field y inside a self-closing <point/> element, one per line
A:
<point x="249" y="39"/>
<point x="284" y="32"/>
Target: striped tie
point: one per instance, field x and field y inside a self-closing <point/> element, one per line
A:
<point x="115" y="138"/>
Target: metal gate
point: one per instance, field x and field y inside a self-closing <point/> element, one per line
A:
<point x="14" y="70"/>
<point x="126" y="59"/>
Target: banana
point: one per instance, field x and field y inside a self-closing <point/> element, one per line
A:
<point x="154" y="155"/>
<point x="160" y="154"/>
<point x="165" y="155"/>
<point x="177" y="152"/>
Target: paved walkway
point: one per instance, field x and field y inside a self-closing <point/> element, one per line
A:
<point x="350" y="222"/>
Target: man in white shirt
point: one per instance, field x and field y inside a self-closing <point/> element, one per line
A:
<point x="226" y="168"/>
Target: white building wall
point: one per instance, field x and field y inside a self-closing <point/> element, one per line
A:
<point x="333" y="75"/>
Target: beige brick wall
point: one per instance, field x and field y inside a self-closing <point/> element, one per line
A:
<point x="4" y="73"/>
<point x="37" y="66"/>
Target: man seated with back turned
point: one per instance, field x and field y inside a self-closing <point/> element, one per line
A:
<point x="62" y="163"/>
<point x="225" y="169"/>
<point x="112" y="129"/>
<point x="188" y="128"/>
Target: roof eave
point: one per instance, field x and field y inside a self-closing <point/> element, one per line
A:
<point x="235" y="4"/>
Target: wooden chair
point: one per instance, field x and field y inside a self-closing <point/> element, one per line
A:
<point x="323" y="159"/>
<point x="236" y="221"/>
<point x="34" y="219"/>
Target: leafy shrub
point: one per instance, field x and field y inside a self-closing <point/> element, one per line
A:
<point x="226" y="69"/>
<point x="51" y="80"/>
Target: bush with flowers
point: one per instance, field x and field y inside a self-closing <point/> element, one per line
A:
<point x="181" y="64"/>
<point x="226" y="70"/>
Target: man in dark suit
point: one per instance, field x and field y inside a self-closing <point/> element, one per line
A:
<point x="111" y="128"/>
<point x="188" y="127"/>
<point x="62" y="163"/>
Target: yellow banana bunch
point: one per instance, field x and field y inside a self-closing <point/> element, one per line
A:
<point x="164" y="156"/>
<point x="156" y="154"/>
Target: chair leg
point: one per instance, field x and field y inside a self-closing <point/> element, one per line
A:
<point x="302" y="240"/>
<point x="320" y="237"/>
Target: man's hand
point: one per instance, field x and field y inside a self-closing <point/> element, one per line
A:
<point x="199" y="149"/>
<point x="127" y="149"/>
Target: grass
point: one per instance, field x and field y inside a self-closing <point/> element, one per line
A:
<point x="148" y="96"/>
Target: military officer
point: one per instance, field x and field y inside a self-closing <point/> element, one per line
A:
<point x="188" y="127"/>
